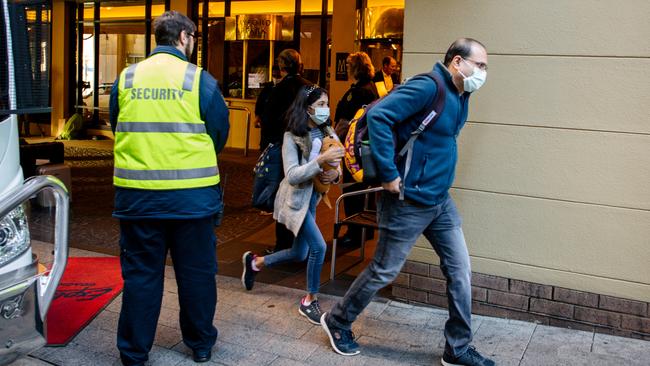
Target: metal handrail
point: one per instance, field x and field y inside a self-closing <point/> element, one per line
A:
<point x="248" y="123"/>
<point x="47" y="284"/>
<point x="336" y="222"/>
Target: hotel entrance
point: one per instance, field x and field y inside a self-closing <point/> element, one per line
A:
<point x="238" y="43"/>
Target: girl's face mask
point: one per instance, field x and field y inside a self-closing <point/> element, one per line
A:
<point x="320" y="116"/>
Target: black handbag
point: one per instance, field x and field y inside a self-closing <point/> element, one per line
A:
<point x="268" y="175"/>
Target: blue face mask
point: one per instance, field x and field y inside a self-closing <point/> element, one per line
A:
<point x="320" y="116"/>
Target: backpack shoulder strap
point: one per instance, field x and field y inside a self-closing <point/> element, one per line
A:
<point x="432" y="116"/>
<point x="433" y="112"/>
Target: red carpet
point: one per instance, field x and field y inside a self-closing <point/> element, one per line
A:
<point x="87" y="286"/>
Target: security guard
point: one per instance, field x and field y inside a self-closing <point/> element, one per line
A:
<point x="170" y="121"/>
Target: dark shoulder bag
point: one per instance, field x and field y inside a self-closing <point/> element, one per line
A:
<point x="268" y="175"/>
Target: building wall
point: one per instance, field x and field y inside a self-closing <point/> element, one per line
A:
<point x="553" y="177"/>
<point x="59" y="69"/>
<point x="343" y="23"/>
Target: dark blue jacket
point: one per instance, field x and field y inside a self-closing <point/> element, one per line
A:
<point x="177" y="203"/>
<point x="434" y="152"/>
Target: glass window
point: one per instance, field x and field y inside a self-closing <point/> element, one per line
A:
<point x="121" y="42"/>
<point x="252" y="23"/>
<point x="215" y="54"/>
<point x="122" y="10"/>
<point x="258" y="67"/>
<point x="216" y="9"/>
<point x="234" y="81"/>
<point x="314" y="7"/>
<point x="120" y="45"/>
<point x="87" y="77"/>
<point x="310" y="47"/>
<point x="263" y="7"/>
<point x="394" y="3"/>
<point x="157" y="8"/>
<point x="4" y="76"/>
<point x="30" y="32"/>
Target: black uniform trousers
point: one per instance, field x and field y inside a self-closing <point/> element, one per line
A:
<point x="144" y="245"/>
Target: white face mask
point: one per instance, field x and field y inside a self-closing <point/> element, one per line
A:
<point x="320" y="116"/>
<point x="473" y="82"/>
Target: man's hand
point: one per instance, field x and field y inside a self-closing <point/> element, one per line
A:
<point x="392" y="186"/>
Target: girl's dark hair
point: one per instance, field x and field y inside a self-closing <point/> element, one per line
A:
<point x="296" y="116"/>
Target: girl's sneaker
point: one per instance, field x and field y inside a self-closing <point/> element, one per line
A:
<point x="248" y="274"/>
<point x="312" y="311"/>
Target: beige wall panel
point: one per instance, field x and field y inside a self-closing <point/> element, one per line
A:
<point x="576" y="238"/>
<point x="606" y="94"/>
<point x="593" y="167"/>
<point x="552" y="27"/>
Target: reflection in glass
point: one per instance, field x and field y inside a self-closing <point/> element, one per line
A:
<point x="257" y="72"/>
<point x="315" y="7"/>
<point x="279" y="7"/>
<point x="121" y="10"/>
<point x="216" y="9"/>
<point x="234" y="80"/>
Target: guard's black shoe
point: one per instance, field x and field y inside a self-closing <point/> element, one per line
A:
<point x="248" y="274"/>
<point x="312" y="311"/>
<point x="342" y="340"/>
<point x="469" y="358"/>
<point x="201" y="356"/>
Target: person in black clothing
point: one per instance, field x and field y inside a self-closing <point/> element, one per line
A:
<point x="263" y="97"/>
<point x="281" y="97"/>
<point x="362" y="92"/>
<point x="261" y="101"/>
<point x="387" y="76"/>
<point x="273" y="124"/>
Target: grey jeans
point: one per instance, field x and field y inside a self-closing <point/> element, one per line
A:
<point x="400" y="224"/>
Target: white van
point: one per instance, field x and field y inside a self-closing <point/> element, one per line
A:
<point x="25" y="294"/>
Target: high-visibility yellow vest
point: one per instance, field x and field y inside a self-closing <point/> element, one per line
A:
<point x="160" y="139"/>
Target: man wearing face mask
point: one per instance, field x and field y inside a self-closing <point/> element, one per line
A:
<point x="427" y="208"/>
<point x="170" y="121"/>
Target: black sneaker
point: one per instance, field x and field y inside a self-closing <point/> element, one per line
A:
<point x="248" y="275"/>
<point x="312" y="311"/>
<point x="469" y="358"/>
<point x="342" y="340"/>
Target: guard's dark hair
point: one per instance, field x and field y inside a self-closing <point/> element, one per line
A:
<point x="461" y="47"/>
<point x="169" y="25"/>
<point x="289" y="61"/>
<point x="297" y="117"/>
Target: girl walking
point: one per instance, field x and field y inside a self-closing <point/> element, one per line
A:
<point x="296" y="200"/>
